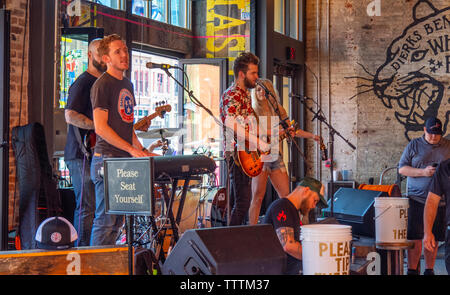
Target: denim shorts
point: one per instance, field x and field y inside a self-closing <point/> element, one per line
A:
<point x="275" y="165"/>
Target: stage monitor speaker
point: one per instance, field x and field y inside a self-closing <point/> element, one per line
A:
<point x="355" y="207"/>
<point x="235" y="250"/>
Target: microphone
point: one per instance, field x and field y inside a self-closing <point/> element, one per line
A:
<point x="152" y="65"/>
<point x="262" y="86"/>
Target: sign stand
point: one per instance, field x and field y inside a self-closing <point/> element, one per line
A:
<point x="129" y="222"/>
<point x="129" y="192"/>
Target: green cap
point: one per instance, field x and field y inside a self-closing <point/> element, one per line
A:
<point x="315" y="186"/>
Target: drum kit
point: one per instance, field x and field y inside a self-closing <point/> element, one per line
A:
<point x="205" y="205"/>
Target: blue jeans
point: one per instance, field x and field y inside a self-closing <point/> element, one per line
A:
<point x="447" y="250"/>
<point x="85" y="199"/>
<point x="106" y="226"/>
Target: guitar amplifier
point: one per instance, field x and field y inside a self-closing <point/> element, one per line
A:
<point x="354" y="207"/>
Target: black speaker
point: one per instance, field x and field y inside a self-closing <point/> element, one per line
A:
<point x="355" y="207"/>
<point x="236" y="250"/>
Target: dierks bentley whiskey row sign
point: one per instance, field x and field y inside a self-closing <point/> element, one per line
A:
<point x="128" y="185"/>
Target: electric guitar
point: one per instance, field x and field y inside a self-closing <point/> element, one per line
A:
<point x="89" y="141"/>
<point x="159" y="111"/>
<point x="90" y="138"/>
<point x="251" y="163"/>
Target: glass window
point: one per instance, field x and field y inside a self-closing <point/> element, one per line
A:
<point x="293" y="19"/>
<point x="159" y="10"/>
<point x="74" y="61"/>
<point x="139" y="7"/>
<point x="161" y="91"/>
<point x="175" y="12"/>
<point x="279" y="16"/>
<point x="116" y="4"/>
<point x="202" y="133"/>
<point x="178" y="13"/>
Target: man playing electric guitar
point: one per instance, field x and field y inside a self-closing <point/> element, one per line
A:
<point x="78" y="114"/>
<point x="236" y="113"/>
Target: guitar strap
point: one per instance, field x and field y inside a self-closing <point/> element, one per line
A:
<point x="83" y="148"/>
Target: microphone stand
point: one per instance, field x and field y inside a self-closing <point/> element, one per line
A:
<point x="282" y="121"/>
<point x="332" y="133"/>
<point x="195" y="101"/>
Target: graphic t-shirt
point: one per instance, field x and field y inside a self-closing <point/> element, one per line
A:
<point x="282" y="213"/>
<point x="117" y="97"/>
<point x="420" y="154"/>
<point x="79" y="100"/>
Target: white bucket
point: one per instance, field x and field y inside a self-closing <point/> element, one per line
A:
<point x="326" y="249"/>
<point x="391" y="219"/>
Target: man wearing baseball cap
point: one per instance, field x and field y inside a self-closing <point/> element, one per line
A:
<point x="283" y="215"/>
<point x="418" y="162"/>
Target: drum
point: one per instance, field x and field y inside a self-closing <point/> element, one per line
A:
<point x="214" y="207"/>
<point x="190" y="210"/>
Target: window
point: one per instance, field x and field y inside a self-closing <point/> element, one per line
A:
<point x="279" y="16"/>
<point x="174" y="12"/>
<point x="288" y="18"/>
<point x="74" y="61"/>
<point x="155" y="90"/>
<point x="293" y="19"/>
<point x="116" y="4"/>
<point x="178" y="13"/>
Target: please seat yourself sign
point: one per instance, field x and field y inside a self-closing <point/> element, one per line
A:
<point x="128" y="185"/>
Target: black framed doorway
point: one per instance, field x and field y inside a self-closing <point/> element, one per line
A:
<point x="4" y="126"/>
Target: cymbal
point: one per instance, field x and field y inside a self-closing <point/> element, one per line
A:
<point x="157" y="133"/>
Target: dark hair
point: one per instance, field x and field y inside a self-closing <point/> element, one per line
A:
<point x="103" y="47"/>
<point x="242" y="61"/>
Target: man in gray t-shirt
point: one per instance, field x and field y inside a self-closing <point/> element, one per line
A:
<point x="418" y="163"/>
<point x="113" y="115"/>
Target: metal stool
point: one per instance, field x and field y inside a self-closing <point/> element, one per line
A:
<point x="397" y="249"/>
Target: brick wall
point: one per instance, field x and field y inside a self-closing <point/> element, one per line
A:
<point x="381" y="121"/>
<point x="19" y="95"/>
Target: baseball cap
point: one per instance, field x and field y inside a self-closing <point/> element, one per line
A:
<point x="55" y="233"/>
<point x="315" y="186"/>
<point x="434" y="126"/>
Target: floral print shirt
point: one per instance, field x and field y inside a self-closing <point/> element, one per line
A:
<point x="236" y="102"/>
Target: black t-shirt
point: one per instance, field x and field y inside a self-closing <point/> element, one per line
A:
<point x="282" y="213"/>
<point x="117" y="97"/>
<point x="440" y="185"/>
<point x="78" y="100"/>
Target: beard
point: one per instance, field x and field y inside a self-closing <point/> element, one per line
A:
<point x="101" y="67"/>
<point x="304" y="209"/>
<point x="248" y="84"/>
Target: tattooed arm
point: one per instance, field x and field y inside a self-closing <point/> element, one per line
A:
<point x="79" y="120"/>
<point x="290" y="246"/>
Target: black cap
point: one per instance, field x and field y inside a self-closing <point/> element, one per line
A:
<point x="315" y="186"/>
<point x="433" y="126"/>
<point x="55" y="233"/>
